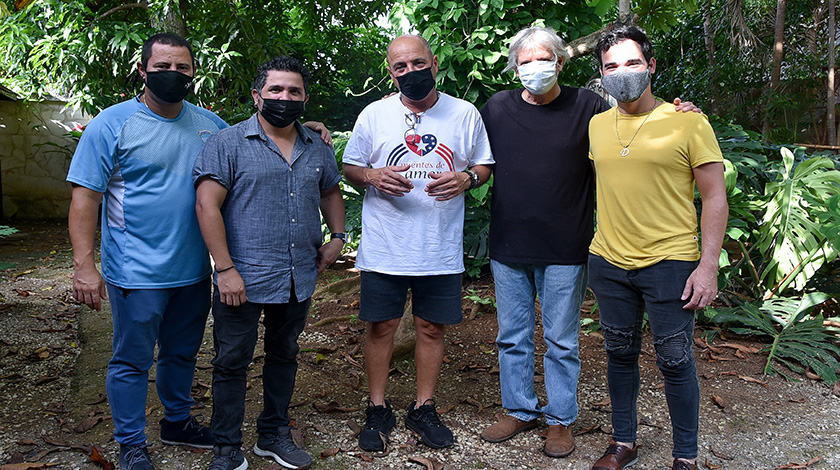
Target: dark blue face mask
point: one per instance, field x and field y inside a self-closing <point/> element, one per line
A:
<point x="169" y="85"/>
<point x="417" y="85"/>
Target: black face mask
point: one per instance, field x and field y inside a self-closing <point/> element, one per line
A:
<point x="169" y="85"/>
<point x="417" y="85"/>
<point x="281" y="113"/>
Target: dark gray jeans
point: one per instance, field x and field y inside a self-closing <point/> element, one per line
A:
<point x="623" y="296"/>
<point x="234" y="337"/>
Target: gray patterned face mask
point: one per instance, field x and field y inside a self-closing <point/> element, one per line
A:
<point x="626" y="86"/>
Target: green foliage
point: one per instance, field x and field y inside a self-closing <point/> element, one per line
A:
<point x="797" y="339"/>
<point x="89" y="51"/>
<point x="5" y="231"/>
<point x="471" y="38"/>
<point x="784" y="225"/>
<point x="475" y="297"/>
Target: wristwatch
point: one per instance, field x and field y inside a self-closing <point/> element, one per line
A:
<point x="341" y="236"/>
<point x="474" y="180"/>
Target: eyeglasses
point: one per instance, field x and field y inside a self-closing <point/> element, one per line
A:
<point x="411" y="120"/>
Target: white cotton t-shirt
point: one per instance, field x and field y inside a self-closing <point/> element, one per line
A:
<point x="415" y="234"/>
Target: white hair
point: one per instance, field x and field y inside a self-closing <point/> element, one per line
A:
<point x="536" y="36"/>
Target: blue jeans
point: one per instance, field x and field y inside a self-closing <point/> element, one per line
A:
<point x="235" y="337"/>
<point x="622" y="298"/>
<point x="173" y="318"/>
<point x="561" y="289"/>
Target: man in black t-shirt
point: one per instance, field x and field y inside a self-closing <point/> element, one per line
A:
<point x="539" y="236"/>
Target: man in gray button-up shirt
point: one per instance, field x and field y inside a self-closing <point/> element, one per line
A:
<point x="259" y="188"/>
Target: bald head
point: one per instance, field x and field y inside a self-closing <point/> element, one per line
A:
<point x="408" y="41"/>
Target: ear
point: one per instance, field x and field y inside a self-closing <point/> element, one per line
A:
<point x="560" y="62"/>
<point x="256" y="95"/>
<point x="141" y="71"/>
<point x="434" y="66"/>
<point x="306" y="100"/>
<point x="652" y="65"/>
<point x="393" y="77"/>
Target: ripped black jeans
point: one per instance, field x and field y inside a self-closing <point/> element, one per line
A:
<point x="623" y="296"/>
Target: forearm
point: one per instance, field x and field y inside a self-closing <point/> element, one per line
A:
<point x="81" y="222"/>
<point x="215" y="236"/>
<point x="356" y="175"/>
<point x="332" y="208"/>
<point x="713" y="220"/>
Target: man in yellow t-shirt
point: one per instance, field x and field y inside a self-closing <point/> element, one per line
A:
<point x="644" y="256"/>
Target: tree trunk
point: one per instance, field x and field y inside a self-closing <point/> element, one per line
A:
<point x="709" y="35"/>
<point x="778" y="52"/>
<point x="171" y="18"/>
<point x="831" y="86"/>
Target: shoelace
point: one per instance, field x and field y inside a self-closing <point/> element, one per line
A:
<point x="375" y="417"/>
<point x="285" y="442"/>
<point x="220" y="462"/>
<point x="136" y="455"/>
<point x="612" y="449"/>
<point x="192" y="423"/>
<point x="429" y="415"/>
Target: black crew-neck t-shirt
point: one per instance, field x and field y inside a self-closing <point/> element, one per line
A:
<point x="543" y="203"/>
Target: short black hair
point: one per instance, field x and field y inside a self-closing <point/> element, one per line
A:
<point x="621" y="34"/>
<point x="281" y="63"/>
<point x="168" y="39"/>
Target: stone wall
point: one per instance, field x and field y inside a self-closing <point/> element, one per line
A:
<point x="35" y="154"/>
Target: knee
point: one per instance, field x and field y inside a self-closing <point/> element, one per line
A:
<point x="429" y="330"/>
<point x="383" y="330"/>
<point x="674" y="352"/>
<point x="619" y="343"/>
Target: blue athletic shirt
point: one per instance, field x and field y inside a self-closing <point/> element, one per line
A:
<point x="143" y="164"/>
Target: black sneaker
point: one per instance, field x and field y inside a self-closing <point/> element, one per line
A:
<point x="228" y="458"/>
<point x="135" y="457"/>
<point x="426" y="422"/>
<point x="186" y="433"/>
<point x="282" y="448"/>
<point x="379" y="419"/>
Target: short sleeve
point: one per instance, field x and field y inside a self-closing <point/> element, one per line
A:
<point x="703" y="145"/>
<point x="360" y="146"/>
<point x="95" y="156"/>
<point x="214" y="161"/>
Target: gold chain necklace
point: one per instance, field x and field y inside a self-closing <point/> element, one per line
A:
<point x="625" y="150"/>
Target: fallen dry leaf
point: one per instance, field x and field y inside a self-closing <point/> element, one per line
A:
<point x="741" y="347"/>
<point x="752" y="380"/>
<point x="791" y="465"/>
<point x="719" y="402"/>
<point x="431" y="463"/>
<point x="720" y="455"/>
<point x="836" y="389"/>
<point x="26" y="465"/>
<point x="332" y="407"/>
<point x="588" y="430"/>
<point x="97" y="458"/>
<point x="329" y="452"/>
<point x="711" y="466"/>
<point x="88" y="423"/>
<point x="355" y="428"/>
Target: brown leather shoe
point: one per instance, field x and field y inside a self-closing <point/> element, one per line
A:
<point x="616" y="457"/>
<point x="683" y="465"/>
<point x="507" y="427"/>
<point x="559" y="442"/>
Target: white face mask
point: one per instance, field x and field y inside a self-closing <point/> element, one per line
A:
<point x="538" y="76"/>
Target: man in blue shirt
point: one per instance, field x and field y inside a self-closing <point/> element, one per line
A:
<point x="155" y="268"/>
<point x="259" y="187"/>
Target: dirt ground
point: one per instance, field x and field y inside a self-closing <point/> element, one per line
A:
<point x="53" y="355"/>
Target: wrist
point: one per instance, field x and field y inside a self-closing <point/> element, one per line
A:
<point x="229" y="268"/>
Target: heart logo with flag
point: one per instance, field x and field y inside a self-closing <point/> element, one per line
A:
<point x="421" y="145"/>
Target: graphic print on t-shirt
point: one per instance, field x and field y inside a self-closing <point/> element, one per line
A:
<point x="415" y="154"/>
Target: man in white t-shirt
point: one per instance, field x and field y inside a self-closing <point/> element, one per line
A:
<point x="416" y="152"/>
